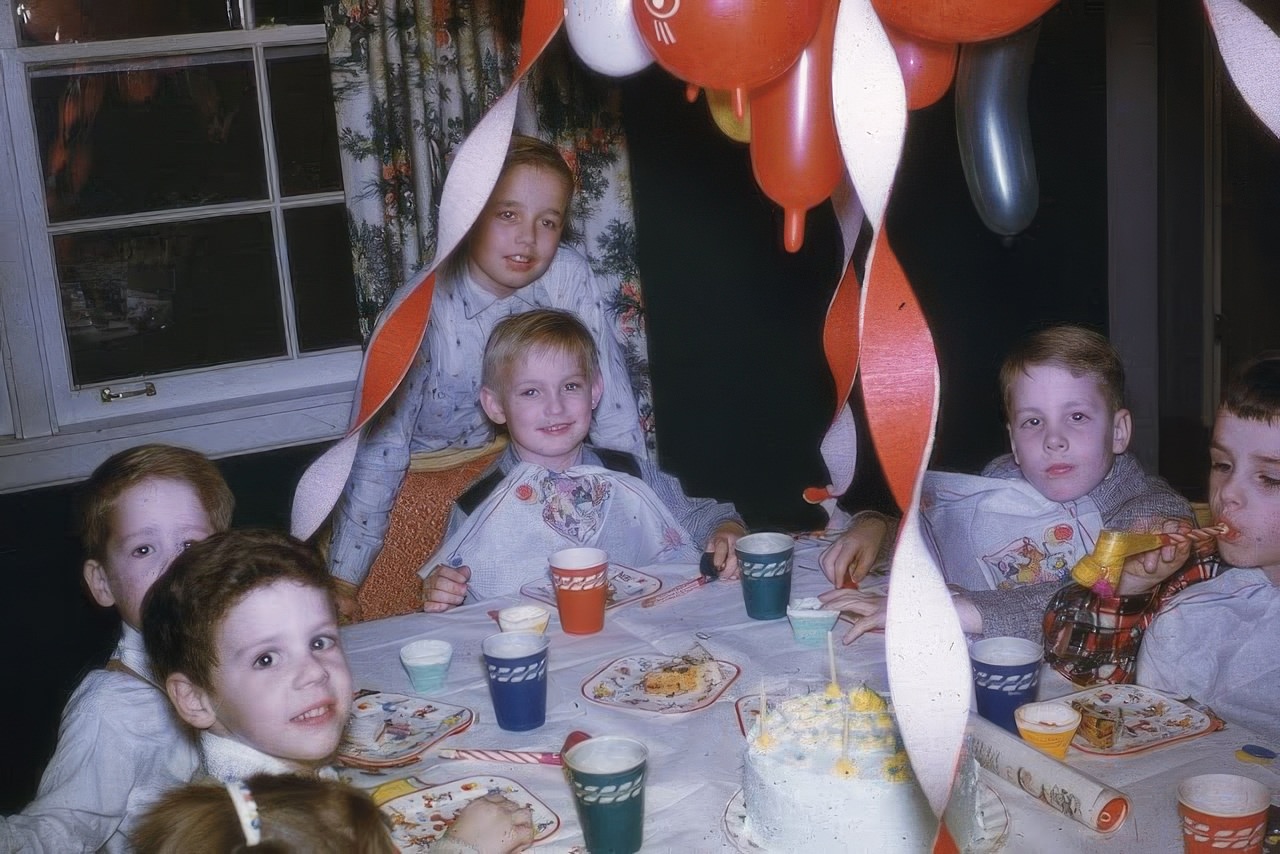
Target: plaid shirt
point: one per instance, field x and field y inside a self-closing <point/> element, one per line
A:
<point x="1093" y="640"/>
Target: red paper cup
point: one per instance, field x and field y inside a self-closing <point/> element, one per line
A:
<point x="581" y="580"/>
<point x="1222" y="812"/>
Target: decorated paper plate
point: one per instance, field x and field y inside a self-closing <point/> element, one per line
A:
<point x="387" y="730"/>
<point x="994" y="827"/>
<point x="659" y="683"/>
<point x="419" y="818"/>
<point x="1138" y="719"/>
<point x="625" y="585"/>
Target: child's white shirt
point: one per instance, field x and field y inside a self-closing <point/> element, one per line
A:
<point x="120" y="747"/>
<point x="226" y="759"/>
<point x="1219" y="642"/>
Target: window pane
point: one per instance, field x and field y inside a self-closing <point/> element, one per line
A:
<point x="62" y="21"/>
<point x="323" y="282"/>
<point x="153" y="299"/>
<point x="123" y="137"/>
<point x="269" y="12"/>
<point x="306" y="127"/>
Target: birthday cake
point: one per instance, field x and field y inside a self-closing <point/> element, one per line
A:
<point x="828" y="772"/>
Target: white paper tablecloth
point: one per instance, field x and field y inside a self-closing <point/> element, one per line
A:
<point x="695" y="758"/>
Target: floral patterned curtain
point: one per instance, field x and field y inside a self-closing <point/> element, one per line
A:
<point x="411" y="78"/>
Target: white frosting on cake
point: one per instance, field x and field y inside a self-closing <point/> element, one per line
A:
<point x="801" y="790"/>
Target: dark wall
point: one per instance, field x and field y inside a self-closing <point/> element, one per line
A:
<point x="742" y="394"/>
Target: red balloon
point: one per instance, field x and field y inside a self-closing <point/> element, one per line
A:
<point x="726" y="44"/>
<point x="960" y="20"/>
<point x="927" y="67"/>
<point x="795" y="154"/>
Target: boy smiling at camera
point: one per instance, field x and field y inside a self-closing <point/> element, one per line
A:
<point x="550" y="490"/>
<point x="243" y="632"/>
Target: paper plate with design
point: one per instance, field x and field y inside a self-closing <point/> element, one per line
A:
<point x="420" y="818"/>
<point x="387" y="730"/>
<point x="660" y="683"/>
<point x="626" y="585"/>
<point x="1120" y="719"/>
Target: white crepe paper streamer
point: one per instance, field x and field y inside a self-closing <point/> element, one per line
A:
<point x="1251" y="52"/>
<point x="926" y="651"/>
<point x="476" y="166"/>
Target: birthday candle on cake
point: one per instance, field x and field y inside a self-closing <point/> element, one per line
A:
<point x="762" y="739"/>
<point x="844" y="765"/>
<point x="833" y="687"/>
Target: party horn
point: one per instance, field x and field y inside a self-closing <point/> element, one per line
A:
<point x="527" y="757"/>
<point x="1100" y="570"/>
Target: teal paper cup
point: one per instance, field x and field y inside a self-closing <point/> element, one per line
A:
<point x="607" y="775"/>
<point x="809" y="622"/>
<point x="427" y="663"/>
<point x="765" y="561"/>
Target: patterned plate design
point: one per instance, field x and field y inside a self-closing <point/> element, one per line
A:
<point x="1147" y="718"/>
<point x="419" y="818"/>
<point x="387" y="730"/>
<point x="626" y="585"/>
<point x="621" y="683"/>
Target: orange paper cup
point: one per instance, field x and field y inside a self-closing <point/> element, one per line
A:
<point x="1222" y="812"/>
<point x="580" y="576"/>
<point x="1048" y="727"/>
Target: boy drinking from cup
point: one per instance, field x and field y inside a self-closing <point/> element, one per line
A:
<point x="1063" y="392"/>
<point x="120" y="746"/>
<point x="512" y="261"/>
<point x="550" y="490"/>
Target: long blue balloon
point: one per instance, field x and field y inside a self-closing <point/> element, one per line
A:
<point x="993" y="130"/>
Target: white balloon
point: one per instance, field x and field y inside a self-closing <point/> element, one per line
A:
<point x="604" y="35"/>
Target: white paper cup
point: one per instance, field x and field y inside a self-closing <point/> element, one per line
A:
<point x="524" y="618"/>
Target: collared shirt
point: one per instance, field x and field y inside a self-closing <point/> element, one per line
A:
<point x="1094" y="640"/>
<point x="437" y="406"/>
<point x="120" y="747"/>
<point x="225" y="759"/>
<point x="1219" y="643"/>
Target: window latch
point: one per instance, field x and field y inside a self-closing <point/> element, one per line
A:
<point x="147" y="388"/>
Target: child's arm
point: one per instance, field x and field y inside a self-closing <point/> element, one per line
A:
<point x="119" y="748"/>
<point x="868" y="540"/>
<point x="869" y="611"/>
<point x="489" y="825"/>
<point x="444" y="587"/>
<point x="704" y="518"/>
<point x="720" y="545"/>
<point x="363" y="513"/>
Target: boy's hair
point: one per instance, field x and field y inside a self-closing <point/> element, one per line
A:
<point x="514" y="337"/>
<point x="298" y="815"/>
<point x="1080" y="351"/>
<point x="126" y="469"/>
<point x="184" y="608"/>
<point x="1253" y="392"/>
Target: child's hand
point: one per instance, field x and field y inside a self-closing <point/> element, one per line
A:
<point x="444" y="588"/>
<point x="494" y="825"/>
<point x="345" y="596"/>
<point x="721" y="546"/>
<point x="850" y="558"/>
<point x="1142" y="573"/>
<point x="868" y="610"/>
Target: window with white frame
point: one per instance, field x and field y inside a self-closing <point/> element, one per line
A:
<point x="184" y="233"/>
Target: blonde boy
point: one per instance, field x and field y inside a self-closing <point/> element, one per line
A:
<point x="1063" y="393"/>
<point x="512" y="261"/>
<point x="120" y="746"/>
<point x="1219" y="641"/>
<point x="550" y="490"/>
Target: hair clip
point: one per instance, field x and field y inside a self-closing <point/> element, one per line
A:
<point x="246" y="811"/>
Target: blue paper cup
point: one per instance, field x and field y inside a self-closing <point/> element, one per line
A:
<point x="427" y="663"/>
<point x="765" y="561"/>
<point x="1006" y="674"/>
<point x="516" y="663"/>
<point x="607" y="776"/>
<point x="809" y="622"/>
